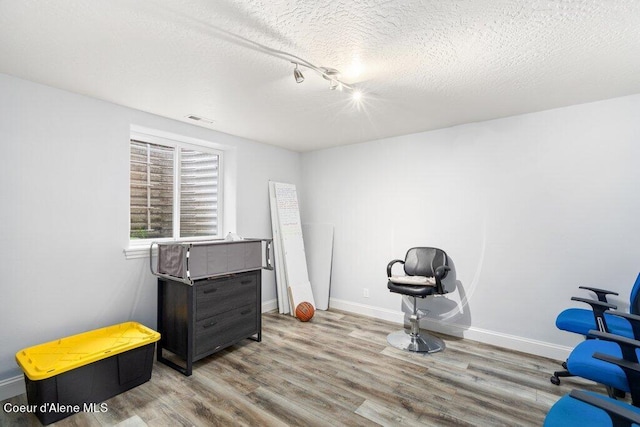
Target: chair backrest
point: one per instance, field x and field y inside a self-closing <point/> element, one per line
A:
<point x="424" y="261"/>
<point x="634" y="299"/>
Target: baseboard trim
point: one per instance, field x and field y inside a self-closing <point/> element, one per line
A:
<point x="367" y="310"/>
<point x="12" y="387"/>
<point x="511" y="342"/>
<point x="268" y="306"/>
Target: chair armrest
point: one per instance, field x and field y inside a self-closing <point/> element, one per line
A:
<point x="623" y="363"/>
<point x="441" y="271"/>
<point x="615" y="338"/>
<point x="439" y="274"/>
<point x="593" y="303"/>
<point x="619" y="415"/>
<point x="633" y="317"/>
<point x="600" y="293"/>
<point x="391" y="265"/>
<point x="627" y="345"/>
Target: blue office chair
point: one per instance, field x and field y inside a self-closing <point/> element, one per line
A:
<point x="617" y="378"/>
<point x="585" y="409"/>
<point x="581" y="321"/>
<point x="581" y="408"/>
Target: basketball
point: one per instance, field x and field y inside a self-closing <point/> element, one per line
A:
<point x="305" y="311"/>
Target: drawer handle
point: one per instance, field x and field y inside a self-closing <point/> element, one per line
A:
<point x="243" y="312"/>
<point x="208" y="325"/>
<point x="245" y="282"/>
<point x="210" y="291"/>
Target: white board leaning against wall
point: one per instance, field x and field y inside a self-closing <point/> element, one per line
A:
<point x="292" y="276"/>
<point x="318" y="244"/>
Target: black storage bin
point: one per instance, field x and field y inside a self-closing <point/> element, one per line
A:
<point x="83" y="388"/>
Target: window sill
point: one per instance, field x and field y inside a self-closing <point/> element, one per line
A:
<point x="135" y="252"/>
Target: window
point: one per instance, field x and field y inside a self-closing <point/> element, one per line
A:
<point x="175" y="190"/>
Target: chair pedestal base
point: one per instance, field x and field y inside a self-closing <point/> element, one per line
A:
<point x="421" y="343"/>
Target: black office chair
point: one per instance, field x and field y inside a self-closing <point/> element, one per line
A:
<point x="424" y="270"/>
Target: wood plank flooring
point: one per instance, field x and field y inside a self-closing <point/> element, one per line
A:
<point x="336" y="369"/>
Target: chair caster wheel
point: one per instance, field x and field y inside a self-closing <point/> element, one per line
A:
<point x="555" y="380"/>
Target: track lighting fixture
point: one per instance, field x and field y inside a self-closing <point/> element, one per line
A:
<point x="297" y="74"/>
<point x="330" y="74"/>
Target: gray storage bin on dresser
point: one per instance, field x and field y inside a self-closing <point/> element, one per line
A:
<point x="190" y="261"/>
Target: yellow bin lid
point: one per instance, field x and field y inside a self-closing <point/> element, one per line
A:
<point x="55" y="357"/>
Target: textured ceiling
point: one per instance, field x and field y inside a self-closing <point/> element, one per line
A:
<point x="421" y="64"/>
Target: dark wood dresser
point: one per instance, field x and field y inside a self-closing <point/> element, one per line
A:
<point x="199" y="320"/>
<point x="202" y="313"/>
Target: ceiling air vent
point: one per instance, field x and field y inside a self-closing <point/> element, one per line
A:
<point x="199" y="119"/>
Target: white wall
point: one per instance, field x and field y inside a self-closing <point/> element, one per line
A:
<point x="64" y="169"/>
<point x="527" y="207"/>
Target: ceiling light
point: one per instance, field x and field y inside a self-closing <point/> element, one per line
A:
<point x="330" y="74"/>
<point x="356" y="95"/>
<point x="297" y="74"/>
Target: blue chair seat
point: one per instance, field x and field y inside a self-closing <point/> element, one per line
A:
<point x="581" y="321"/>
<point x="570" y="412"/>
<point x="581" y="363"/>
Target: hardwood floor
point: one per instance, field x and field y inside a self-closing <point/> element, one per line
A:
<point x="336" y="369"/>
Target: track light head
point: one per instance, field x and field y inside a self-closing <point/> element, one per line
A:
<point x="330" y="74"/>
<point x="333" y="76"/>
<point x="297" y="74"/>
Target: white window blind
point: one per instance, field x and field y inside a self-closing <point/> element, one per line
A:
<point x="198" y="194"/>
<point x="174" y="191"/>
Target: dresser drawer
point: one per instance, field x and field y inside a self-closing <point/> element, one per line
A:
<point x="224" y="329"/>
<point x="221" y="295"/>
<point x="213" y="314"/>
